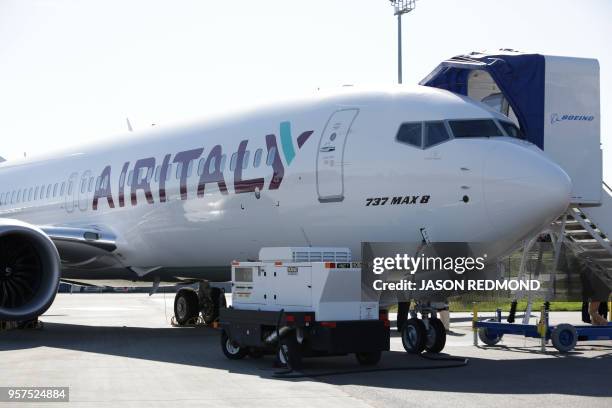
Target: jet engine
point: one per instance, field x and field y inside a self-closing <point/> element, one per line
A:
<point x="29" y="271"/>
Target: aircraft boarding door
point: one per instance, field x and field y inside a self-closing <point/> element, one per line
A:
<point x="330" y="156"/>
<point x="70" y="196"/>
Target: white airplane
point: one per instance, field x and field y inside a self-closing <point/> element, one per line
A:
<point x="179" y="204"/>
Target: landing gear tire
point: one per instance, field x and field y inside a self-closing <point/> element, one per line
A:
<point x="414" y="336"/>
<point x="488" y="338"/>
<point x="211" y="305"/>
<point x="436" y="336"/>
<point x="289" y="354"/>
<point x="564" y="337"/>
<point x="185" y="306"/>
<point x="232" y="350"/>
<point x="368" y="358"/>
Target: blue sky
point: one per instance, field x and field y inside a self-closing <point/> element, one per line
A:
<point x="71" y="71"/>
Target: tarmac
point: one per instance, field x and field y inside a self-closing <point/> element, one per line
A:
<point x="115" y="350"/>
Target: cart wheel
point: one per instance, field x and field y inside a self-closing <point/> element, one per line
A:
<point x="564" y="337"/>
<point x="490" y="339"/>
<point x="436" y="336"/>
<point x="256" y="353"/>
<point x="289" y="354"/>
<point x="414" y="336"/>
<point x="231" y="350"/>
<point x="368" y="358"/>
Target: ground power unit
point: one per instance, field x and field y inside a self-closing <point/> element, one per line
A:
<point x="301" y="302"/>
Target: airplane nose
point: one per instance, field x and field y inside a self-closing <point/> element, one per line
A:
<point x="523" y="189"/>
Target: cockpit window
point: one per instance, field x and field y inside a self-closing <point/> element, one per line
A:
<point x="410" y="133"/>
<point x="435" y="132"/>
<point x="474" y="128"/>
<point x="511" y="129"/>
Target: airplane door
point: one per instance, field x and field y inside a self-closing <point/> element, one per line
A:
<point x="70" y="196"/>
<point x="330" y="155"/>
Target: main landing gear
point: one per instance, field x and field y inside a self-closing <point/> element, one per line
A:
<point x="427" y="333"/>
<point x="191" y="305"/>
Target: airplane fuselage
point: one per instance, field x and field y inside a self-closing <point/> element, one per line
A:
<point x="327" y="171"/>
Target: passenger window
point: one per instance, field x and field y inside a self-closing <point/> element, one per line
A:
<point x="245" y="160"/>
<point x="179" y="170"/>
<point x="474" y="128"/>
<point x="19" y="196"/>
<point x="157" y="170"/>
<point x="130" y="177"/>
<point x="257" y="158"/>
<point x="233" y="161"/>
<point x="91" y="184"/>
<point x="42" y="192"/>
<point x="169" y="172"/>
<point x="49" y="190"/>
<point x="410" y="133"/>
<point x="63" y="188"/>
<point x="435" y="133"/>
<point x="271" y="156"/>
<point x="70" y="187"/>
<point x="211" y="166"/>
<point x="190" y="168"/>
<point x="201" y="164"/>
<point x="30" y="191"/>
<point x="512" y="130"/>
<point x="36" y="193"/>
<point x="55" y="190"/>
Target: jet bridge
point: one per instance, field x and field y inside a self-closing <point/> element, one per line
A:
<point x="555" y="102"/>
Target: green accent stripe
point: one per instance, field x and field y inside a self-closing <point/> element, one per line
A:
<point x="287" y="141"/>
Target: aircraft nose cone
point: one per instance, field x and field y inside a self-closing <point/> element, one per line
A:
<point x="524" y="190"/>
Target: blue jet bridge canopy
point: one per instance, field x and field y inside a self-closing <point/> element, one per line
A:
<point x="520" y="78"/>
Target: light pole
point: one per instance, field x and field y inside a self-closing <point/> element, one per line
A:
<point x="401" y="7"/>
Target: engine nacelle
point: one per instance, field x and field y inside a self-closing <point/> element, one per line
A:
<point x="29" y="271"/>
